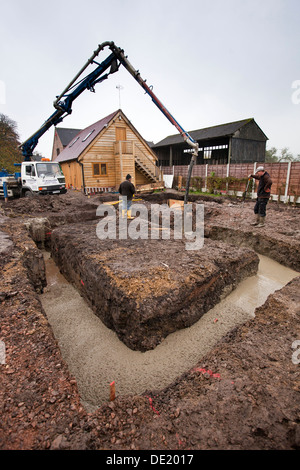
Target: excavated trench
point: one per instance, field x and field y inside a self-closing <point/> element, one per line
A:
<point x="141" y="313"/>
<point x="96" y="356"/>
<point x="146" y="289"/>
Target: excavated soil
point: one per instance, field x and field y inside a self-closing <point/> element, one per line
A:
<point x="143" y="297"/>
<point x="242" y="394"/>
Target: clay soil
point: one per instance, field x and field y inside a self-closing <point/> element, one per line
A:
<point x="142" y="297"/>
<point x="244" y="394"/>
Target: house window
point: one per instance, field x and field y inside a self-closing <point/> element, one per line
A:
<point x="74" y="141"/>
<point x="96" y="169"/>
<point x="103" y="169"/>
<point x="87" y="136"/>
<point x="99" y="169"/>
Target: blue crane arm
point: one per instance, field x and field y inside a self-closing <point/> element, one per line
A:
<point x="185" y="135"/>
<point x="63" y="103"/>
<point x="64" y="107"/>
<point x="136" y="75"/>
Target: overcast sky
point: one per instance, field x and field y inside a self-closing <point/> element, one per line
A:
<point x="209" y="62"/>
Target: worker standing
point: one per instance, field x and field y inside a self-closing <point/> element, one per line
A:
<point x="127" y="191"/>
<point x="263" y="195"/>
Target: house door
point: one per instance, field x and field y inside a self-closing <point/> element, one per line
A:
<point x="121" y="135"/>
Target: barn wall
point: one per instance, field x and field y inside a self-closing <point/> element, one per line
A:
<point x="248" y="145"/>
<point x="247" y="151"/>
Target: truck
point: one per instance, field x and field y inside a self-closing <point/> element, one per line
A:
<point x="33" y="178"/>
<point x="45" y="181"/>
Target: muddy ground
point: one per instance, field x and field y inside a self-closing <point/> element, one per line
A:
<point x="244" y="394"/>
<point x="143" y="297"/>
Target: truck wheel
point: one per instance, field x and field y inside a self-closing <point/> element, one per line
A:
<point x="28" y="193"/>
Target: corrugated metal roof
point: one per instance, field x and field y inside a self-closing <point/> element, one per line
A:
<point x="83" y="139"/>
<point x="221" y="130"/>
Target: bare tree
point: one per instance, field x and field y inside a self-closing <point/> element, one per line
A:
<point x="285" y="155"/>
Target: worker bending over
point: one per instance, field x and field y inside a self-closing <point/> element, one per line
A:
<point x="127" y="191"/>
<point x="263" y="195"/>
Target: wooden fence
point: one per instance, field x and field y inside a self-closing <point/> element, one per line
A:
<point x="285" y="177"/>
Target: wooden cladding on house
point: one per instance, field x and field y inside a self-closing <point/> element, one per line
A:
<point x="115" y="151"/>
<point x="73" y="174"/>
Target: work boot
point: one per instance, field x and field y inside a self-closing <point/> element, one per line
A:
<point x="123" y="214"/>
<point x="129" y="215"/>
<point x="257" y="221"/>
<point x="261" y="222"/>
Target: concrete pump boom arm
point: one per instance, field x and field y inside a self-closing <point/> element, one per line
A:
<point x="63" y="102"/>
<point x="185" y="135"/>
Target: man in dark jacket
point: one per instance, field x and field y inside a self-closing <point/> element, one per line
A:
<point x="127" y="191"/>
<point x="263" y="195"/>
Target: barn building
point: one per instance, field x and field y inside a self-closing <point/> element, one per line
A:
<point x="235" y="142"/>
<point x="99" y="157"/>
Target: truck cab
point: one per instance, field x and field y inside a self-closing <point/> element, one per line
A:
<point x="44" y="177"/>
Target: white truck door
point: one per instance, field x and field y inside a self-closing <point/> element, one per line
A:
<point x="29" y="176"/>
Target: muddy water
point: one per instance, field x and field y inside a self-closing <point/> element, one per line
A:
<point x="96" y="356"/>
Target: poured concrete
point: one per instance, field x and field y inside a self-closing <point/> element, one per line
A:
<point x="96" y="356"/>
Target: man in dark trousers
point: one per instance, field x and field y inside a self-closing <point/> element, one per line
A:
<point x="127" y="191"/>
<point x="263" y="195"/>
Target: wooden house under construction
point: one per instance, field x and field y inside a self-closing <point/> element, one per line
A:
<point x="99" y="157"/>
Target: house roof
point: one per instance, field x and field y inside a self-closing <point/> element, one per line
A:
<point x="66" y="135"/>
<point x="222" y="130"/>
<point x="83" y="139"/>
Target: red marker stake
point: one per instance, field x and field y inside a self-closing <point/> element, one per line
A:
<point x="112" y="391"/>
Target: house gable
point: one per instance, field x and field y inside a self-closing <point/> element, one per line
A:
<point x="115" y="152"/>
<point x="105" y="152"/>
<point x="83" y="140"/>
<point x="118" y="120"/>
<point x="250" y="131"/>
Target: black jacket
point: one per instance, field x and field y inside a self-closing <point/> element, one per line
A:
<point x="264" y="185"/>
<point x="127" y="189"/>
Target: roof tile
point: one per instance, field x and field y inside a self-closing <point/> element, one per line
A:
<point x="83" y="139"/>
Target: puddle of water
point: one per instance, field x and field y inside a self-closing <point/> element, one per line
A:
<point x="254" y="291"/>
<point x="96" y="356"/>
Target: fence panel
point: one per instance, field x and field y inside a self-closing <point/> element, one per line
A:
<point x="219" y="170"/>
<point x="285" y="176"/>
<point x="294" y="183"/>
<point x="278" y="173"/>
